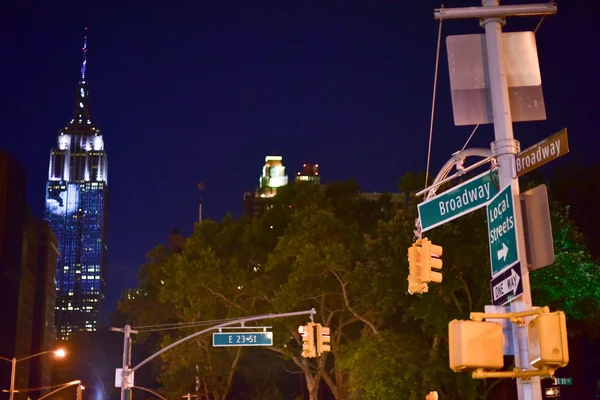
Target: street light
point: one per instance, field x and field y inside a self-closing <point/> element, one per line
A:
<point x="60" y="353"/>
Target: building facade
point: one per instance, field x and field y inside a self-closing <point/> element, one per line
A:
<point x="40" y="255"/>
<point x="76" y="209"/>
<point x="28" y="255"/>
<point x="13" y="214"/>
<point x="273" y="177"/>
<point x="309" y="173"/>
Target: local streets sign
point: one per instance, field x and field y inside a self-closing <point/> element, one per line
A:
<point x="462" y="199"/>
<point x="231" y="339"/>
<point x="545" y="151"/>
<point x="502" y="231"/>
<point x="507" y="286"/>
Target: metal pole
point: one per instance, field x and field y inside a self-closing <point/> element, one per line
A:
<point x="125" y="373"/>
<point x="12" y="377"/>
<point x="215" y="327"/>
<point x="505" y="148"/>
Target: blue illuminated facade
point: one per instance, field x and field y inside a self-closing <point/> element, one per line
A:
<point x="76" y="209"/>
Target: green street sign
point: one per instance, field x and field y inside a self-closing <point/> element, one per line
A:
<point x="502" y="231"/>
<point x="457" y="201"/>
<point x="231" y="339"/>
<point x="563" y="381"/>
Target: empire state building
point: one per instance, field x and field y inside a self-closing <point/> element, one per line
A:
<point x="76" y="209"/>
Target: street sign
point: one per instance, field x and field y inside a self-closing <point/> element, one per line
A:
<point x="507" y="286"/>
<point x="470" y="85"/>
<point x="231" y="339"/>
<point x="563" y="381"/>
<point x="501" y="231"/>
<point x="540" y="153"/>
<point x="457" y="201"/>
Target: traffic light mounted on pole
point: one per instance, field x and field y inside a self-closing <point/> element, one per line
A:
<point x="307" y="332"/>
<point x="422" y="257"/>
<point x="323" y="339"/>
<point x="431" y="254"/>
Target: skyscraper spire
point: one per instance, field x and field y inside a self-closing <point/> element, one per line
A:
<point x="83" y="64"/>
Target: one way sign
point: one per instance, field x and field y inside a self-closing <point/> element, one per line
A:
<point x="507" y="286"/>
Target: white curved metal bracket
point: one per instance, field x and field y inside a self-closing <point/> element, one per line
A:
<point x="457" y="161"/>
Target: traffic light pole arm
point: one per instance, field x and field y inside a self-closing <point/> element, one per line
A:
<point x="514" y="317"/>
<point x="216" y="327"/>
<point x="481" y="374"/>
<point x="149" y="391"/>
<point x="66" y="385"/>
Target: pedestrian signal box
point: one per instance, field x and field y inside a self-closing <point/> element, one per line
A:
<point x="548" y="338"/>
<point x="475" y="345"/>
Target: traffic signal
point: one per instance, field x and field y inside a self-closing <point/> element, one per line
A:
<point x="475" y="345"/>
<point x="548" y="337"/>
<point x="323" y="339"/>
<point x="307" y="332"/>
<point x="432" y="396"/>
<point x="415" y="268"/>
<point x="430" y="258"/>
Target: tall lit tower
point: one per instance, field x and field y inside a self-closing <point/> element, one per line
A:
<point x="76" y="209"/>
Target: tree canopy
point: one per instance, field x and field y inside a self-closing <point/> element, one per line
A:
<point x="331" y="249"/>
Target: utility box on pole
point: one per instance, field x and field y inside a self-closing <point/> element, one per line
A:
<point x="538" y="227"/>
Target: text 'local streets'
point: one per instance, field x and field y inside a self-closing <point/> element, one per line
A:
<point x="507" y="224"/>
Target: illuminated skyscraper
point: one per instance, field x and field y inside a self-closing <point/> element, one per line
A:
<point x="76" y="209"/>
<point x="273" y="176"/>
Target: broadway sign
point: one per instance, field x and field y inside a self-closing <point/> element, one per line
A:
<point x="542" y="152"/>
<point x="459" y="200"/>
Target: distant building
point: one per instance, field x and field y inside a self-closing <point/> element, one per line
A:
<point x="258" y="202"/>
<point x="273" y="177"/>
<point x="309" y="173"/>
<point x="13" y="211"/>
<point x="28" y="257"/>
<point x="176" y="241"/>
<point x="76" y="209"/>
<point x="40" y="254"/>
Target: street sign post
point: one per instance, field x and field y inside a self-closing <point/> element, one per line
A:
<point x="540" y="153"/>
<point x="507" y="285"/>
<point x="231" y="339"/>
<point x="460" y="200"/>
<point x="501" y="231"/>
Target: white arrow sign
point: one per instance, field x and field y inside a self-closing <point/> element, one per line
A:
<point x="507" y="285"/>
<point x="503" y="252"/>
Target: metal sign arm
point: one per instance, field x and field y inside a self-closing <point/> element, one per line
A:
<point x="216" y="327"/>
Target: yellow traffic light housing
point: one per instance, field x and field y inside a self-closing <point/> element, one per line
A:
<point x="307" y="332"/>
<point x="548" y="337"/>
<point x="323" y="339"/>
<point x="475" y="345"/>
<point x="432" y="396"/>
<point x="415" y="267"/>
<point x="422" y="257"/>
<point x="430" y="256"/>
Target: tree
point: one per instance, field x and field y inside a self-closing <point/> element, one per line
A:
<point x="333" y="250"/>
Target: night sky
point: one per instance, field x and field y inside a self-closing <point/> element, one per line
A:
<point x="202" y="91"/>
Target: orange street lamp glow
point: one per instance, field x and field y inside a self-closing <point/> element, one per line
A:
<point x="60" y="353"/>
